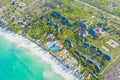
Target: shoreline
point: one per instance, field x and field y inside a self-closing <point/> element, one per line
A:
<point x="38" y="52"/>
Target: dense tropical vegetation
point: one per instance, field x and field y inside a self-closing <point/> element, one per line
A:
<point x="37" y="20"/>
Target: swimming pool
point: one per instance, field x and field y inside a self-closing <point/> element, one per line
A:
<point x="54" y="45"/>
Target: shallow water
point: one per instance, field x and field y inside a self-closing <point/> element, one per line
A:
<point x="17" y="63"/>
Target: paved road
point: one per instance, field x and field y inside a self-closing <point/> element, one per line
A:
<point x="110" y="64"/>
<point x="99" y="10"/>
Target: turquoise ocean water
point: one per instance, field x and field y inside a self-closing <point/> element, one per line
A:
<point x="17" y="64"/>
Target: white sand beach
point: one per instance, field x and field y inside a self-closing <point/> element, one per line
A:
<point x="37" y="51"/>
